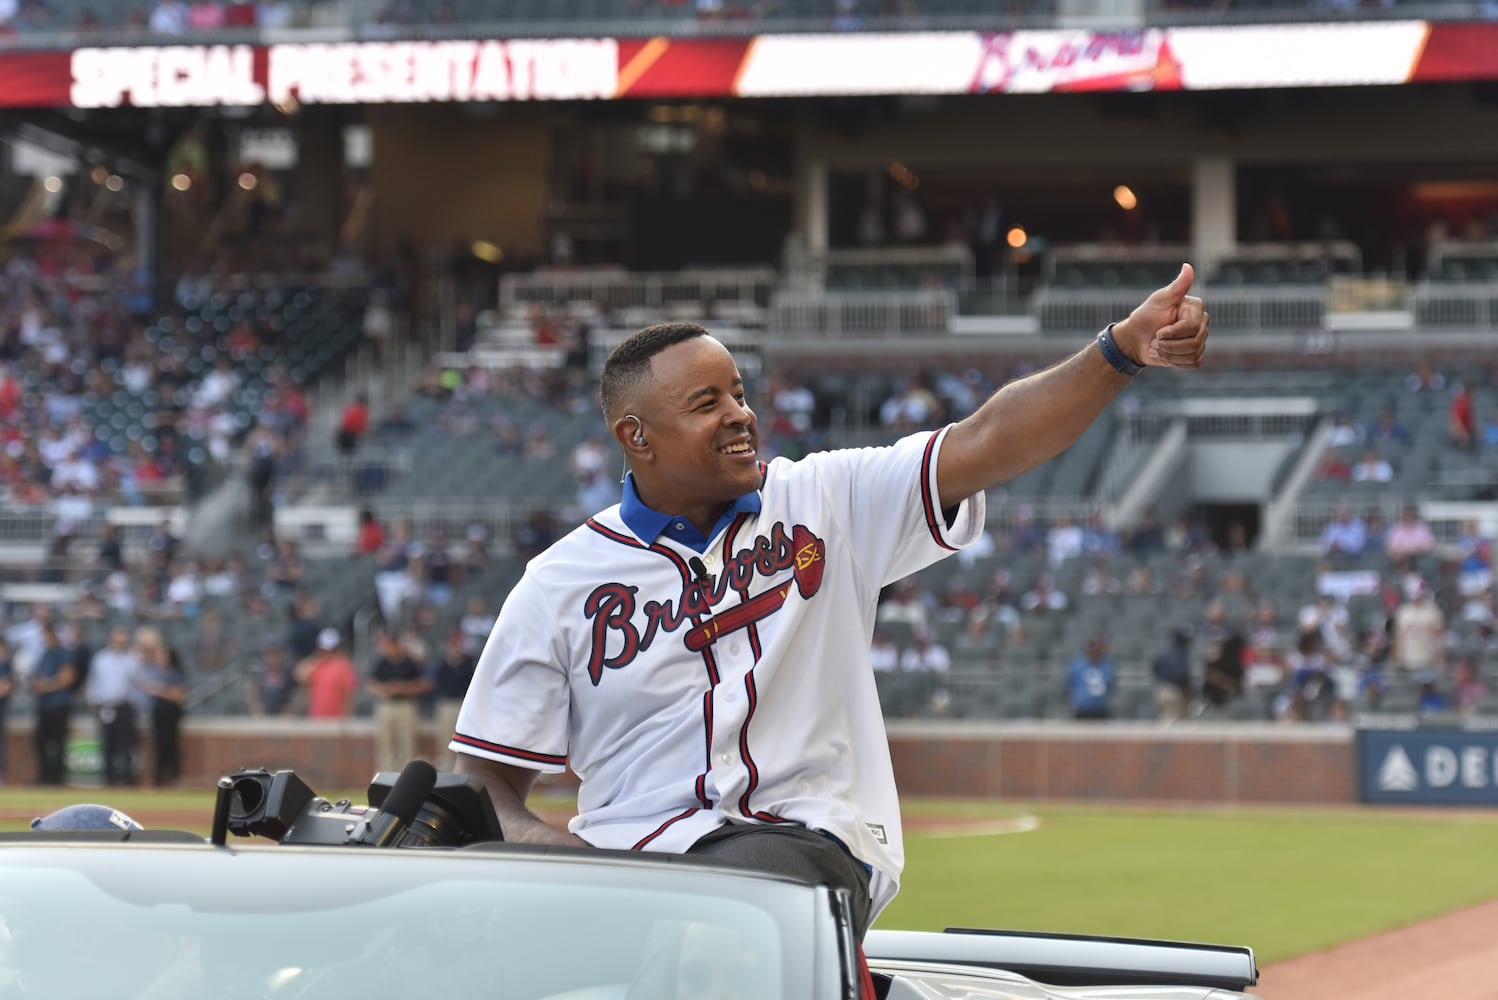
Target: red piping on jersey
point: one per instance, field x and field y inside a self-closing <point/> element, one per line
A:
<point x="748" y="760"/>
<point x="500" y="748"/>
<point x="707" y="748"/>
<point x="640" y="844"/>
<point x="934" y="517"/>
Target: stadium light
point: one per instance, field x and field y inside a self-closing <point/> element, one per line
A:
<point x="52" y="184"/>
<point x="1125" y="197"/>
<point x="1017" y="237"/>
<point x="114" y="182"/>
<point x="248" y="181"/>
<point x="181" y="182"/>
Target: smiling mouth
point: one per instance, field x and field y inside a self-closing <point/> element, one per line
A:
<point x="741" y="448"/>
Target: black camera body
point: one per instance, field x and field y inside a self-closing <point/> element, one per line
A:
<point x="417" y="807"/>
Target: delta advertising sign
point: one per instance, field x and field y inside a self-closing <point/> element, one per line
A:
<point x="1428" y="767"/>
<point x="825" y="65"/>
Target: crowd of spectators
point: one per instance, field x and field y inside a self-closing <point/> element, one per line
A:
<point x="1365" y="626"/>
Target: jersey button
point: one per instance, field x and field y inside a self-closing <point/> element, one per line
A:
<point x="734" y="649"/>
<point x="726" y="758"/>
<point x="732" y="697"/>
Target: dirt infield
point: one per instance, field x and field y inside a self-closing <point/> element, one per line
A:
<point x="1451" y="957"/>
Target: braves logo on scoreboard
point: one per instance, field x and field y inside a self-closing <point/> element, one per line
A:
<point x="611" y="607"/>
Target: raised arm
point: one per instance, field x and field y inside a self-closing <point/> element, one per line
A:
<point x="508" y="787"/>
<point x="1032" y="420"/>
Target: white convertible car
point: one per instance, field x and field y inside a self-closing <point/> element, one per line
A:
<point x="414" y="896"/>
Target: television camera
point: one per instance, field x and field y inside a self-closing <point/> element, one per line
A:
<point x="416" y="808"/>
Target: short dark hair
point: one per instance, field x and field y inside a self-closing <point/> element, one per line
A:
<point x="629" y="363"/>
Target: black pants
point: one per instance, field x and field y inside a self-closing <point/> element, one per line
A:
<point x="117" y="733"/>
<point x="166" y="731"/>
<point x="52" y="744"/>
<point x="795" y="851"/>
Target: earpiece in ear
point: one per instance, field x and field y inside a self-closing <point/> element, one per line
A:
<point x="639" y="438"/>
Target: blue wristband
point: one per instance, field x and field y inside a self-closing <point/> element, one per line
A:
<point x="1116" y="357"/>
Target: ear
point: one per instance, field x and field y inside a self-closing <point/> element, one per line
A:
<point x="628" y="433"/>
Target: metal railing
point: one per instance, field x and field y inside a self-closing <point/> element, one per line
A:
<point x="1451" y="305"/>
<point x="892" y="314"/>
<point x="743" y="291"/>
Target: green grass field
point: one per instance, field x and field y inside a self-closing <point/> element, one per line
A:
<point x="1283" y="881"/>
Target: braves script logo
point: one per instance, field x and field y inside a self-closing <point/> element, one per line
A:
<point x="1040" y="61"/>
<point x="611" y="607"/>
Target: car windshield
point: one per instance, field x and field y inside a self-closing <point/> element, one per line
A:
<point x="310" y="925"/>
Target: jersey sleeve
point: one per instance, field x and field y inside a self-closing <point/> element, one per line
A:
<point x="516" y="708"/>
<point x="894" y="518"/>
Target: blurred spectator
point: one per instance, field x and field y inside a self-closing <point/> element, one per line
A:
<point x="164" y="680"/>
<point x="1044" y="598"/>
<point x="1024" y="535"/>
<point x="1098" y="539"/>
<point x="270" y="688"/>
<point x="1475" y="552"/>
<point x="1146" y="536"/>
<point x="1372" y="468"/>
<point x="379" y="324"/>
<point x="1343" y="431"/>
<point x="913" y="407"/>
<point x="1430" y="698"/>
<point x="1222" y="678"/>
<point x="303" y="625"/>
<point x="909" y="603"/>
<point x="1490" y="431"/>
<point x="52" y="682"/>
<point x="213" y="646"/>
<point x="353" y="424"/>
<point x="1344" y="535"/>
<point x="115" y="691"/>
<point x="398" y="684"/>
<point x="1461" y="421"/>
<point x="476" y="624"/>
<point x="1091" y="680"/>
<point x="329" y="678"/>
<point x="924" y="664"/>
<point x="1099" y="580"/>
<point x="1171" y="668"/>
<point x="884" y="655"/>
<point x="1419" y="641"/>
<point x="371" y="534"/>
<point x="1312" y="692"/>
<point x="7" y="687"/>
<point x="1467" y="689"/>
<point x="1409" y="536"/>
<point x="1376" y="530"/>
<point x="535" y="535"/>
<point x="1063" y="541"/>
<point x="1387" y="430"/>
<point x="452" y="674"/>
<point x="168" y="17"/>
<point x="205" y="15"/>
<point x="1424" y="380"/>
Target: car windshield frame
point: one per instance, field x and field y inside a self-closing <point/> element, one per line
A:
<point x="314" y="923"/>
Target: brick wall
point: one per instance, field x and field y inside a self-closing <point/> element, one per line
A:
<point x="1247" y="764"/>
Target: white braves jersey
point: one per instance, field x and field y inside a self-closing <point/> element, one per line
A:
<point x="682" y="705"/>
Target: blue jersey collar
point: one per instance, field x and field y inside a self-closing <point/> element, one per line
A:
<point x="648" y="524"/>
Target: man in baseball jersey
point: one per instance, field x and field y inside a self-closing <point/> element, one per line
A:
<point x="699" y="653"/>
